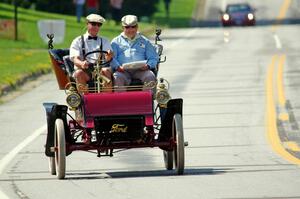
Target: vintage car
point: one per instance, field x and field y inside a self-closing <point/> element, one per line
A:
<point x="137" y="116"/>
<point x="239" y="14"/>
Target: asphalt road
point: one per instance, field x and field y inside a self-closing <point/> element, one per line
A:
<point x="242" y="140"/>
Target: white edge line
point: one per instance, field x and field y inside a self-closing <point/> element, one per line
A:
<point x="10" y="156"/>
<point x="277" y="41"/>
<point x="3" y="196"/>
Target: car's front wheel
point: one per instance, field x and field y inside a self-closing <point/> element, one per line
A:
<point x="177" y="131"/>
<point x="60" y="149"/>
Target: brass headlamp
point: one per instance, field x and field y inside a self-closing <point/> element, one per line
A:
<point x="162" y="95"/>
<point x="73" y="98"/>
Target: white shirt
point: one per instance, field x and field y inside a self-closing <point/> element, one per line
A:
<point x="90" y="45"/>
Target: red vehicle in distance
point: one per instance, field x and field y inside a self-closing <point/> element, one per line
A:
<point x="238" y="15"/>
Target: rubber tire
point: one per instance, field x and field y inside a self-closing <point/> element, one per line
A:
<point x="52" y="167"/>
<point x="60" y="149"/>
<point x="177" y="132"/>
<point x="168" y="159"/>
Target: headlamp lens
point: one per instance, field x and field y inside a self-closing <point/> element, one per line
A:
<point x="73" y="100"/>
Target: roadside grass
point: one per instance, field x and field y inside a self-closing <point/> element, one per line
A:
<point x="29" y="54"/>
<point x="180" y="13"/>
<point x="23" y="62"/>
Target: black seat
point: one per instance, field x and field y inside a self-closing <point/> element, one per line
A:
<point x="69" y="65"/>
<point x="57" y="55"/>
<point x="62" y="57"/>
<point x="159" y="49"/>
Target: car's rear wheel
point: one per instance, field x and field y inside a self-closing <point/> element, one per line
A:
<point x="52" y="168"/>
<point x="177" y="132"/>
<point x="60" y="149"/>
<point x="168" y="159"/>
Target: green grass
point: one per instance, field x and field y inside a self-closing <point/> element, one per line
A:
<point x="29" y="54"/>
<point x="180" y="13"/>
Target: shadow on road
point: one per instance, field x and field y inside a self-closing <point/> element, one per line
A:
<point x="143" y="174"/>
<point x="159" y="173"/>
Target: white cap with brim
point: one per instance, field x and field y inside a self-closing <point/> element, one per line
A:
<point x="129" y="20"/>
<point x="95" y="18"/>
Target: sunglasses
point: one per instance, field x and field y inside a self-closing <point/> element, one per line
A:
<point x="96" y="24"/>
<point x="127" y="27"/>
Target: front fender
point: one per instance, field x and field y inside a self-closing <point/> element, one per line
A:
<point x="54" y="111"/>
<point x="174" y="106"/>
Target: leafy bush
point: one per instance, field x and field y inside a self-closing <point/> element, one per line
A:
<point x="61" y="6"/>
<point x="137" y="7"/>
<point x="140" y="8"/>
<point x="21" y="3"/>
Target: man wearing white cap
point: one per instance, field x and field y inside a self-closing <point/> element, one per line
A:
<point x="130" y="46"/>
<point x="88" y="42"/>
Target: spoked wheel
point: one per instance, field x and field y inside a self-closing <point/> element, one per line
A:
<point x="168" y="159"/>
<point x="177" y="132"/>
<point x="60" y="149"/>
<point x="52" y="168"/>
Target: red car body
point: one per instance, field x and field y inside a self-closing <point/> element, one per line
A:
<point x="118" y="104"/>
<point x="238" y="15"/>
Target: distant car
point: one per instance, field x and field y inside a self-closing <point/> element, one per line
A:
<point x="238" y="15"/>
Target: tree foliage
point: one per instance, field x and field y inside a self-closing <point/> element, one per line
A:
<point x="21" y="3"/>
<point x="137" y="7"/>
<point x="61" y="6"/>
<point x="140" y="7"/>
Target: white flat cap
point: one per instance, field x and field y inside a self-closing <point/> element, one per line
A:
<point x="129" y="20"/>
<point x="95" y="18"/>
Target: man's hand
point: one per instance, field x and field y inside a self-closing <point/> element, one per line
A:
<point x="81" y="64"/>
<point x="109" y="55"/>
<point x="84" y="64"/>
<point x="121" y="69"/>
<point x="145" y="67"/>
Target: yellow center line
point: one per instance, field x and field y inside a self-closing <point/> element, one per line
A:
<point x="282" y="13"/>
<point x="284" y="7"/>
<point x="271" y="120"/>
<point x="281" y="95"/>
<point x="283" y="115"/>
<point x="293" y="146"/>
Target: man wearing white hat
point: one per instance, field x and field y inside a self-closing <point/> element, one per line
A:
<point x="88" y="42"/>
<point x="130" y="46"/>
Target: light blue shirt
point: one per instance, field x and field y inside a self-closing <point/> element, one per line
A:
<point x="138" y="49"/>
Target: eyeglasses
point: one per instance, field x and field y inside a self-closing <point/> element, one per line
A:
<point x="127" y="27"/>
<point x="96" y="24"/>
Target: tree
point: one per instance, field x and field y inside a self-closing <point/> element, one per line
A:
<point x="61" y="6"/>
<point x="140" y="8"/>
<point x="21" y="3"/>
